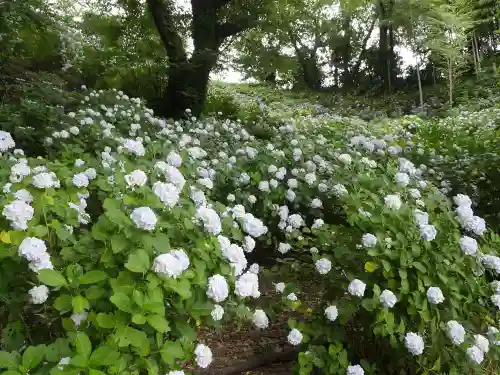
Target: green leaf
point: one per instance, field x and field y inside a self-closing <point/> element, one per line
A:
<point x="32" y="356"/>
<point x="122" y="301"/>
<point x="419" y="266"/>
<point x="104" y="355"/>
<point x="51" y="278"/>
<point x="83" y="345"/>
<point x="159" y="323"/>
<point x="80" y="304"/>
<point x="368" y="304"/>
<point x="138" y="319"/>
<point x="171" y="351"/>
<point x="118" y="243"/>
<point x="138" y="262"/>
<point x="96" y="372"/>
<point x="7" y="360"/>
<point x="10" y="372"/>
<point x="93" y="277"/>
<point x="105" y="320"/>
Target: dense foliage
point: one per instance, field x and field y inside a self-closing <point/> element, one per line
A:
<point x="124" y="232"/>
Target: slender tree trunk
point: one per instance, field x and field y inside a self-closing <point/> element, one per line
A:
<point x="475" y="57"/>
<point x="450" y="81"/>
<point x="420" y="92"/>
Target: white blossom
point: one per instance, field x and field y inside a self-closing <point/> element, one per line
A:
<point x="435" y="295"/>
<point x="171" y="264"/>
<point x="217" y="312"/>
<point x="218" y="289"/>
<point x="38" y="294"/>
<point x="260" y="319"/>
<point x="368" y="240"/>
<point x="144" y="218"/>
<point x="388" y="298"/>
<point x="356" y="288"/>
<point x="414" y="343"/>
<point x="331" y="313"/>
<point x="295" y="337"/>
<point x="455" y="332"/>
<point x="323" y="266"/>
<point x="203" y="355"/>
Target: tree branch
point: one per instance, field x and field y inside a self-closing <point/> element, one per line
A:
<point x="355" y="70"/>
<point x="227" y="29"/>
<point x="161" y="11"/>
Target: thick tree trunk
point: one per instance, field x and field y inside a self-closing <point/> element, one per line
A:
<point x="186" y="89"/>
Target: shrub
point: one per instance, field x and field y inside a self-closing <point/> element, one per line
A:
<point x="138" y="232"/>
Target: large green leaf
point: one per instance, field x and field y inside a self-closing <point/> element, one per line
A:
<point x="83" y="345"/>
<point x="93" y="277"/>
<point x="52" y="278"/>
<point x="32" y="356"/>
<point x="138" y="262"/>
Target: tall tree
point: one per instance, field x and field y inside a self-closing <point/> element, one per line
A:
<point x="212" y="22"/>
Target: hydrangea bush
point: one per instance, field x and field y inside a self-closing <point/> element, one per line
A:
<point x="142" y="229"/>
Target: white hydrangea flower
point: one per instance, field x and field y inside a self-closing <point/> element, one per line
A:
<point x="171" y="264"/>
<point x="79" y="318"/>
<point x="491" y="262"/>
<point x="482" y="343"/>
<point x="414" y="343"/>
<point x="318" y="223"/>
<point x="428" y="232"/>
<point x="6" y="141"/>
<point x="316" y="203"/>
<point x="210" y="219"/>
<point x="345" y="158"/>
<point x="475" y="354"/>
<point x="356" y="288"/>
<point x="134" y="147"/>
<point x="174" y="176"/>
<point x="236" y="257"/>
<point x="136" y="178"/>
<point x="23" y="195"/>
<point x="217" y="312"/>
<point x="280" y="287"/>
<point x="402" y="179"/>
<point x="355" y="370"/>
<point x="38" y="294"/>
<point x="388" y="298"/>
<point x="260" y="319"/>
<point x="45" y="180"/>
<point x="179" y="372"/>
<point x="310" y="178"/>
<point x="495" y="299"/>
<point x="295" y="337"/>
<point x="462" y="200"/>
<point x="468" y="245"/>
<point x="18" y="213"/>
<point x="144" y="218"/>
<point x="323" y="266"/>
<point x="435" y="295"/>
<point x="368" y="240"/>
<point x="80" y="180"/>
<point x="455" y="332"/>
<point x="231" y="198"/>
<point x="421" y="217"/>
<point x="475" y="224"/>
<point x="247" y="285"/>
<point x="290" y="195"/>
<point x="393" y="202"/>
<point x="217" y="289"/>
<point x="203" y="355"/>
<point x="339" y="190"/>
<point x="174" y="159"/>
<point x="284" y="248"/>
<point x="331" y="313"/>
<point x="253" y="226"/>
<point x="248" y="244"/>
<point x="167" y="193"/>
<point x="292" y="297"/>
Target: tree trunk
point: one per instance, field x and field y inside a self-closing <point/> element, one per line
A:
<point x="188" y="78"/>
<point x="421" y="94"/>
<point x="450" y="82"/>
<point x="187" y="89"/>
